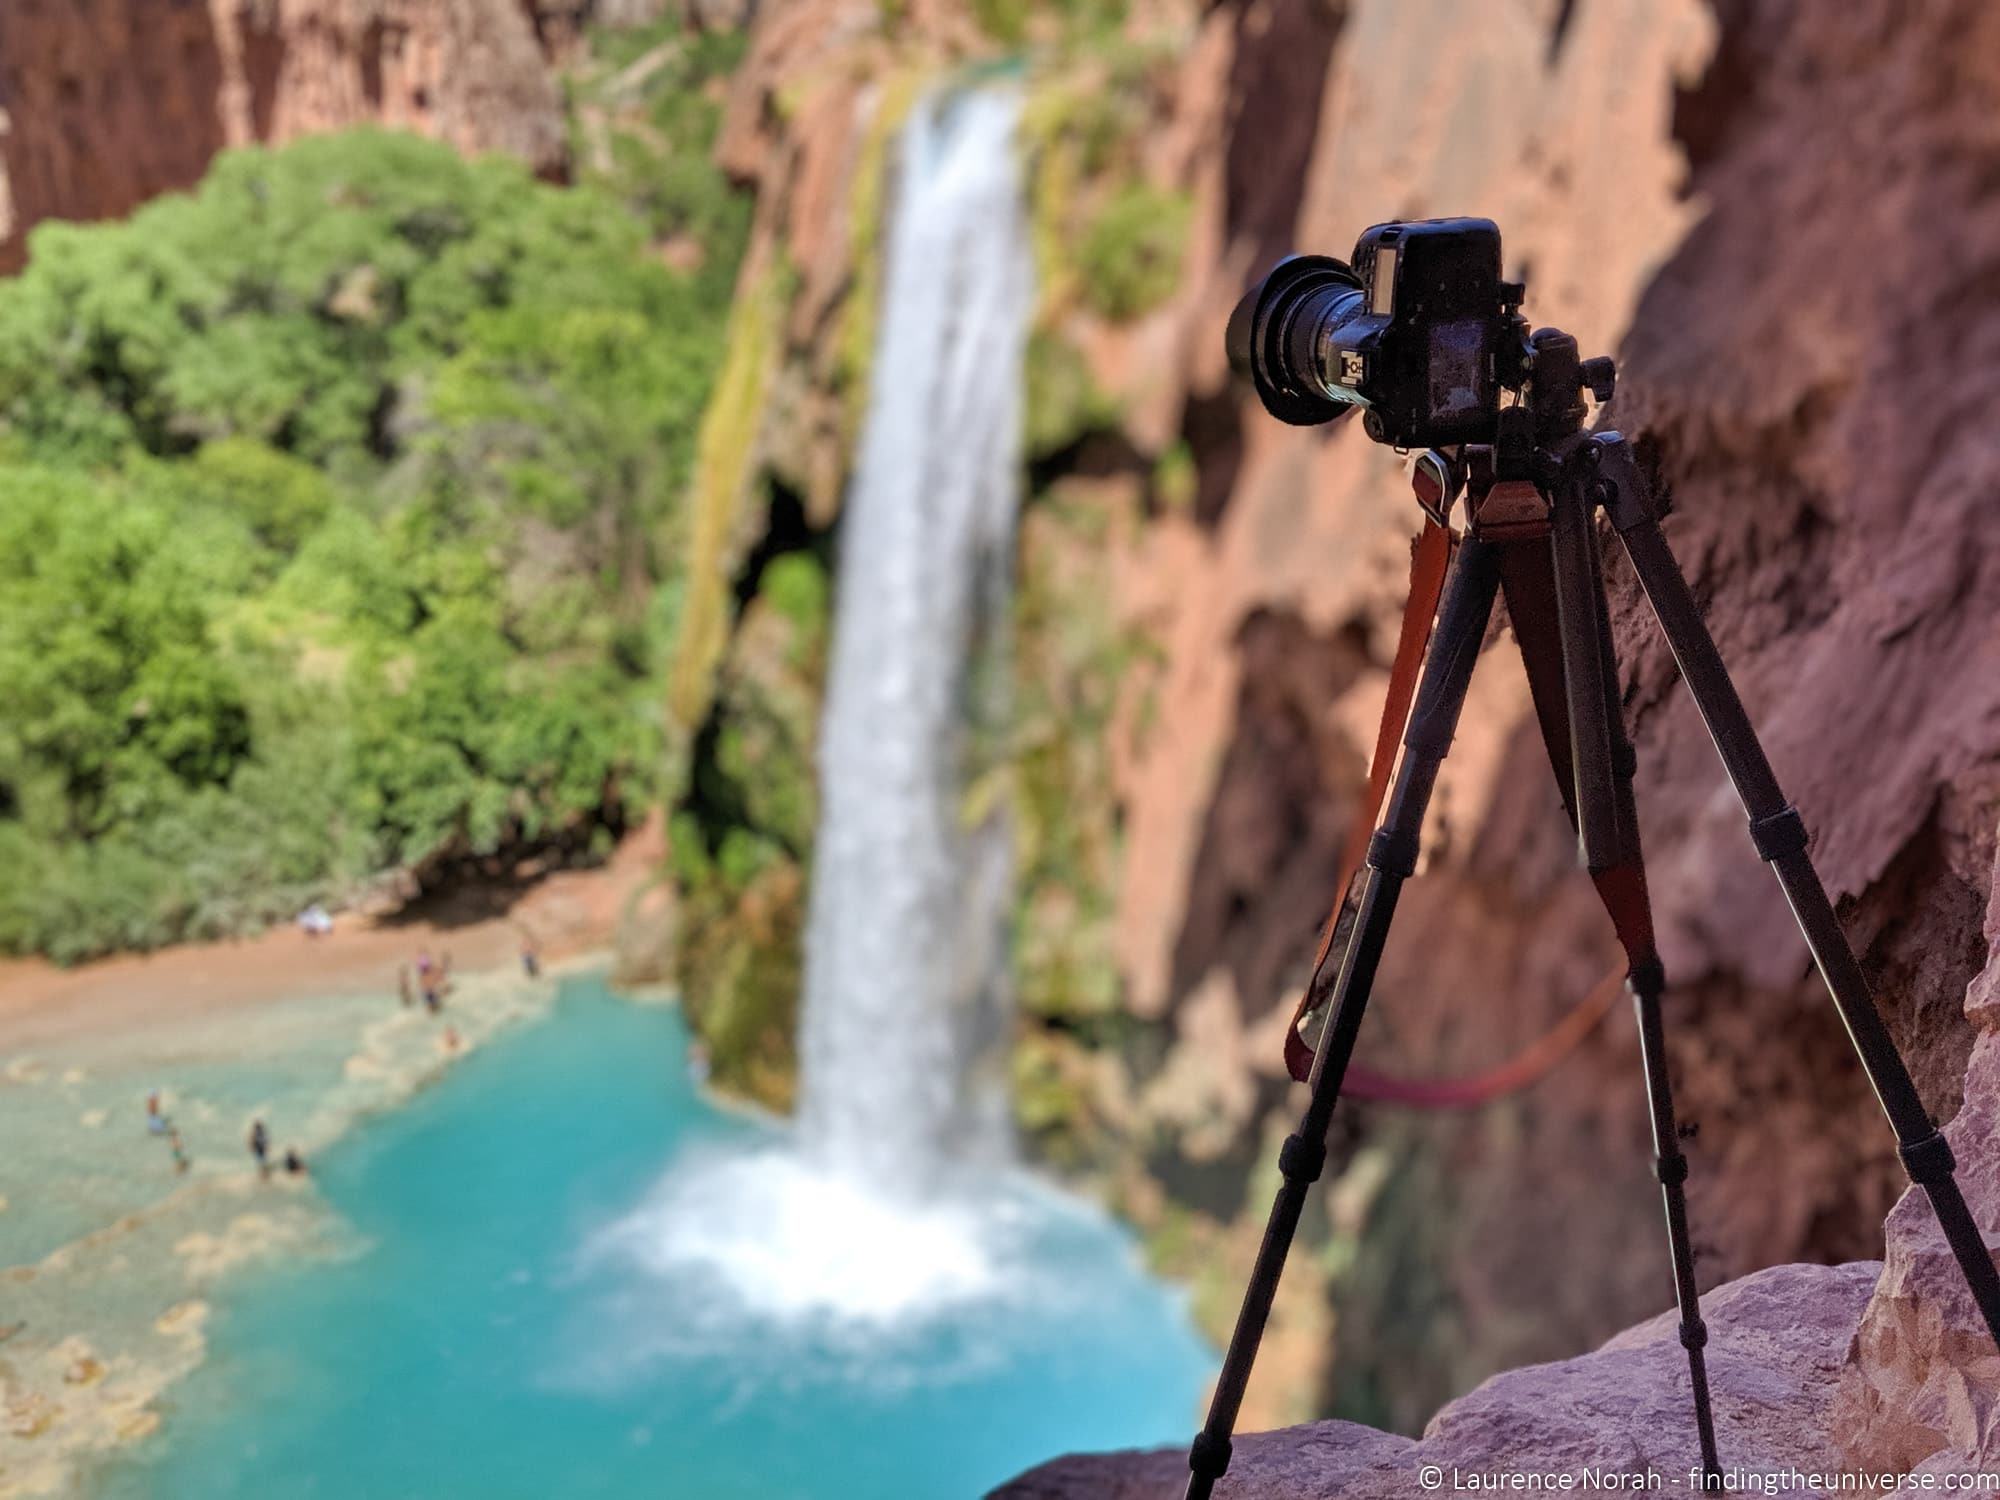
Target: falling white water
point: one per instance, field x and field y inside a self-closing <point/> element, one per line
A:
<point x="903" y="967"/>
<point x="867" y="1220"/>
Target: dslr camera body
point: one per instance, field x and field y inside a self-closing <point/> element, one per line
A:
<point x="1420" y="332"/>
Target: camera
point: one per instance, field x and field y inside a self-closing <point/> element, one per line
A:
<point x="1419" y="331"/>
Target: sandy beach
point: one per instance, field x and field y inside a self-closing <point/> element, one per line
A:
<point x="108" y="1256"/>
<point x="567" y="912"/>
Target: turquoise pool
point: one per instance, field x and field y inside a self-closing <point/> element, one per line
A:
<point x="572" y="1276"/>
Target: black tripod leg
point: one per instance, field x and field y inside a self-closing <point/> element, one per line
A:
<point x="1552" y="640"/>
<point x="1392" y="858"/>
<point x="1671" y="1167"/>
<point x="1588" y="684"/>
<point x="1780" y="836"/>
<point x="1625" y="894"/>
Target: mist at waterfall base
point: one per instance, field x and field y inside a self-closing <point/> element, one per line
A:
<point x="491" y="1337"/>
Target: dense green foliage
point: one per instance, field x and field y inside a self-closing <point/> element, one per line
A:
<point x="337" y="528"/>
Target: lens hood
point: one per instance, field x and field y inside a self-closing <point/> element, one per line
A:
<point x="1257" y="331"/>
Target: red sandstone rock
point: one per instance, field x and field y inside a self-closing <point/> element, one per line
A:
<point x="1777" y="1340"/>
<point x="106" y="103"/>
<point x="1923" y="1382"/>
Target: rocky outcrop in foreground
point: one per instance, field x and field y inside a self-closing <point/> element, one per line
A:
<point x="1610" y="1418"/>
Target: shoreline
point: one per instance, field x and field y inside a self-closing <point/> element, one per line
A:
<point x="109" y="1261"/>
<point x="568" y="912"/>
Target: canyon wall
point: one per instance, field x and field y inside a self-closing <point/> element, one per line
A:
<point x="106" y="103"/>
<point x="1742" y="210"/>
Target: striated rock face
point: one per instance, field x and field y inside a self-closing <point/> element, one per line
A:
<point x="1922" y="1384"/>
<point x="105" y="103"/>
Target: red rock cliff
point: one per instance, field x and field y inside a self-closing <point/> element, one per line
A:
<point x="105" y="103"/>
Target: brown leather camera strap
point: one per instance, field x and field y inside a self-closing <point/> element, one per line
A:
<point x="1430" y="560"/>
<point x="1528" y="581"/>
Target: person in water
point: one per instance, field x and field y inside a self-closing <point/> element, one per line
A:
<point x="260" y="1146"/>
<point x="295" y="1164"/>
<point x="156" y="1122"/>
<point x="181" y="1161"/>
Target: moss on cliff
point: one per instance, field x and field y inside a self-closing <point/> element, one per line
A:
<point x="1071" y="657"/>
<point x="741" y="839"/>
<point x="1130" y="259"/>
<point x="1105" y="237"/>
<point x="716" y="521"/>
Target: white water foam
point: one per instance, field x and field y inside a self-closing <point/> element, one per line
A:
<point x="787" y="1239"/>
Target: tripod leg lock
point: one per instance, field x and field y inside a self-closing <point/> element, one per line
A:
<point x="1208" y="1455"/>
<point x="1671" y="1169"/>
<point x="1694" y="1335"/>
<point x="1393" y="851"/>
<point x="1928" y="1160"/>
<point x="1781" y="834"/>
<point x="1301" y="1159"/>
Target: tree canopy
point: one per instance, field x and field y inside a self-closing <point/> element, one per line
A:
<point x="337" y="509"/>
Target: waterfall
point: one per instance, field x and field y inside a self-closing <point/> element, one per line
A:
<point x="904" y="997"/>
<point x="857" y="1223"/>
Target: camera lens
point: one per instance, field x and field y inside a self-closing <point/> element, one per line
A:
<point x="1279" y="333"/>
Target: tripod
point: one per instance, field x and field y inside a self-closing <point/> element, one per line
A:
<point x="1532" y="498"/>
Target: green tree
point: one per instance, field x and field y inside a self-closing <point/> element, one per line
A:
<point x="331" y="521"/>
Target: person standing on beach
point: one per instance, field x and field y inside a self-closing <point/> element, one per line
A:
<point x="260" y="1146"/>
<point x="181" y="1162"/>
<point x="156" y="1123"/>
<point x="531" y="960"/>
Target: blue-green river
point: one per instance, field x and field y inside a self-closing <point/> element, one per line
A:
<point x="575" y="1277"/>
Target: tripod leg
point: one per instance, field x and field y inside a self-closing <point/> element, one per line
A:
<point x="1392" y="858"/>
<point x="1588" y="685"/>
<point x="1780" y="836"/>
<point x="1551" y="642"/>
<point x="1624" y="891"/>
<point x="1671" y="1167"/>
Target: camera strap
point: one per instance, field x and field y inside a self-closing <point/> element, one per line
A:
<point x="1430" y="560"/>
<point x="1528" y="583"/>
